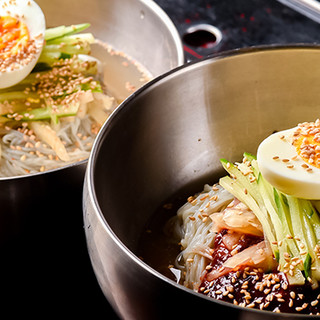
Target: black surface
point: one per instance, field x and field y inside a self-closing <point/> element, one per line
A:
<point x="242" y="23"/>
<point x="48" y="273"/>
<point x="45" y="270"/>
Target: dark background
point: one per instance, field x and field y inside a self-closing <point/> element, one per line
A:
<point x="242" y="23"/>
<point x="54" y="279"/>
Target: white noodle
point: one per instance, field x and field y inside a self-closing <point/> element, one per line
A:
<point x="195" y="233"/>
<point x="19" y="157"/>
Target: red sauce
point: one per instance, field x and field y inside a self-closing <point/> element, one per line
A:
<point x="253" y="288"/>
<point x="221" y="252"/>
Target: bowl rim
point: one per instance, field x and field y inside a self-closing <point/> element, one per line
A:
<point x="153" y="6"/>
<point x="89" y="180"/>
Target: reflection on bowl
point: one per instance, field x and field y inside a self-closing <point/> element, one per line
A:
<point x="168" y="138"/>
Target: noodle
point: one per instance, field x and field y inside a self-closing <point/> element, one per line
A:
<point x="194" y="228"/>
<point x="22" y="153"/>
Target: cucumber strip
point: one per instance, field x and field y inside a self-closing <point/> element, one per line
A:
<point x="61" y="31"/>
<point x="277" y="225"/>
<point x="249" y="156"/>
<point x="285" y="218"/>
<point x="17" y="95"/>
<point x="45" y="113"/>
<point x="310" y="236"/>
<point x="314" y="219"/>
<point x="242" y="179"/>
<point x="255" y="169"/>
<point x="240" y="193"/>
<point x="277" y="209"/>
<point x="73" y="39"/>
<point x="49" y="57"/>
<point x="67" y="48"/>
<point x="304" y="238"/>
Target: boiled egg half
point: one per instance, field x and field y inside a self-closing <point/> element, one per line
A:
<point x="290" y="160"/>
<point x="22" y="28"/>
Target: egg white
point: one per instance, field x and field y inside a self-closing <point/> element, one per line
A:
<point x="31" y="14"/>
<point x="295" y="181"/>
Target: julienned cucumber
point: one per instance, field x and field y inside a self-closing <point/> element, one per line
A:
<point x="47" y="113"/>
<point x="53" y="33"/>
<point x="291" y="225"/>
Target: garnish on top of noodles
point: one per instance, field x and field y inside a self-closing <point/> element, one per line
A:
<point x="295" y="248"/>
<point x="248" y="242"/>
<point x="44" y="118"/>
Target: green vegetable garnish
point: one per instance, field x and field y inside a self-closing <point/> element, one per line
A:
<point x="59" y="74"/>
<point x="291" y="225"/>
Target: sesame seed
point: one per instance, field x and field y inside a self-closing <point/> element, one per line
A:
<point x="194" y="202"/>
<point x="251" y="305"/>
<point x="204" y="197"/>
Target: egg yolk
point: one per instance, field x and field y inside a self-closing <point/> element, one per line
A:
<point x="14" y="36"/>
<point x="306" y="140"/>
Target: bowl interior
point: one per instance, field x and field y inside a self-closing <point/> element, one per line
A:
<point x="172" y="133"/>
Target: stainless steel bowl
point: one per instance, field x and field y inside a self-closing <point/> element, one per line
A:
<point x="41" y="226"/>
<point x="169" y="136"/>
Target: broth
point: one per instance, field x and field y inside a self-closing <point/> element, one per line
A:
<point x="156" y="247"/>
<point x="121" y="74"/>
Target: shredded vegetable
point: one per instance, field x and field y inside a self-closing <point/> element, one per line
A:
<point x="296" y="249"/>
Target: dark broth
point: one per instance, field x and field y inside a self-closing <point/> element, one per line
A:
<point x="156" y="247"/>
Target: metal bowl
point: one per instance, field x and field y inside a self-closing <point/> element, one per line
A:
<point x="169" y="136"/>
<point x="41" y="226"/>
